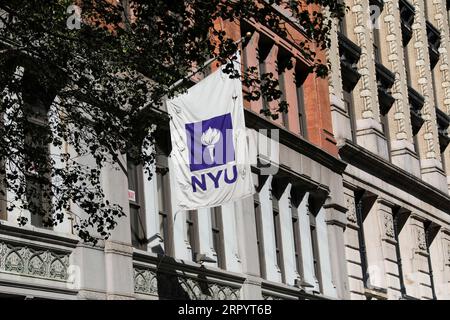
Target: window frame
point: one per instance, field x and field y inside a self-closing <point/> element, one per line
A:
<point x="218" y="236"/>
<point x="139" y="205"/>
<point x="37" y="117"/>
<point x="192" y="233"/>
<point x="315" y="249"/>
<point x="297" y="242"/>
<point x="278" y="243"/>
<point x="259" y="236"/>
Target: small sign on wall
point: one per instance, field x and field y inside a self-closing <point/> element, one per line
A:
<point x="131" y="195"/>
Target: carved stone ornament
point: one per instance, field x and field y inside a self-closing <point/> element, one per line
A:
<point x="351" y="213"/>
<point x="389" y="225"/>
<point x="422" y="244"/>
<point x="179" y="287"/>
<point x="33" y="262"/>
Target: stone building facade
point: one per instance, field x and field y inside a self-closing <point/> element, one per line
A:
<point x="352" y="194"/>
<point x="390" y="103"/>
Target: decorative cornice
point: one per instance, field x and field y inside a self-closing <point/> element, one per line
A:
<point x="385" y="202"/>
<point x="383" y="169"/>
<point x="39" y="235"/>
<point x="295" y="142"/>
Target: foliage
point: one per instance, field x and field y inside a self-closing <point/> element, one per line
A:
<point x="100" y="89"/>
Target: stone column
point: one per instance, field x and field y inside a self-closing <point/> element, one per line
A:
<point x="55" y="153"/>
<point x="118" y="249"/>
<point x="368" y="126"/>
<point x="205" y="233"/>
<point x="87" y="261"/>
<point x="402" y="148"/>
<point x="430" y="158"/>
<point x="414" y="257"/>
<point x="439" y="18"/>
<point x="12" y="216"/>
<point x="309" y="277"/>
<point x="271" y="66"/>
<point x="290" y="96"/>
<point x="230" y="238"/>
<point x="374" y="234"/>
<point x="329" y="287"/>
<point x="248" y="248"/>
<point x="152" y="212"/>
<point x="386" y="223"/>
<point x="273" y="272"/>
<point x="440" y="260"/>
<point x="287" y="237"/>
<point x="340" y="116"/>
<point x="336" y="220"/>
<point x="352" y="249"/>
<point x="181" y="248"/>
<point x="251" y="59"/>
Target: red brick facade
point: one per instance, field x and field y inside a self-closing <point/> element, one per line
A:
<point x="268" y="51"/>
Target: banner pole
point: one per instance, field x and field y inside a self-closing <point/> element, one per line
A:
<point x="206" y="64"/>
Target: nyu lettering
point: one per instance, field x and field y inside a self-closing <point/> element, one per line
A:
<point x="214" y="178"/>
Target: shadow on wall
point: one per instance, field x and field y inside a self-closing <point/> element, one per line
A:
<point x="173" y="285"/>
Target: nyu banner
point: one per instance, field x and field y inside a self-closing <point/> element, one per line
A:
<point x="210" y="162"/>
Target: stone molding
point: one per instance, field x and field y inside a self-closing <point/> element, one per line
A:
<point x="146" y="282"/>
<point x="39" y="263"/>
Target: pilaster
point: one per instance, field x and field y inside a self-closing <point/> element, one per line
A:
<point x="430" y="158"/>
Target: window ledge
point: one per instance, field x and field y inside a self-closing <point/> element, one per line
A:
<point x="375" y="292"/>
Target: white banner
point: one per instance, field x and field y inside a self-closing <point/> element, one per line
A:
<point x="210" y="161"/>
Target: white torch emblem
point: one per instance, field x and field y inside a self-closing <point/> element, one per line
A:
<point x="209" y="139"/>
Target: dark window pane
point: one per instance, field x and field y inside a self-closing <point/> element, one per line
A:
<point x="259" y="238"/>
<point x="137" y="210"/>
<point x="217" y="232"/>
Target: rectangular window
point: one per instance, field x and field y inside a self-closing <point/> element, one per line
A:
<point x="297" y="244"/>
<point x="407" y="65"/>
<point x="136" y="203"/>
<point x="444" y="163"/>
<point x="3" y="204"/>
<point x="217" y="233"/>
<point x="342" y="27"/>
<point x="315" y="249"/>
<point x="259" y="237"/>
<point x="376" y="45"/>
<point x="3" y="211"/>
<point x="349" y="106"/>
<point x="359" y="198"/>
<point x="429" y="235"/>
<point x="162" y="185"/>
<point x="397" y="228"/>
<point x="385" y="127"/>
<point x="284" y="116"/>
<point x="435" y="87"/>
<point x="37" y="166"/>
<point x="301" y="107"/>
<point x="278" y="243"/>
<point x="416" y="141"/>
<point x="192" y="233"/>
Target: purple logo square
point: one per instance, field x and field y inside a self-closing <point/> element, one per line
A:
<point x="210" y="142"/>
